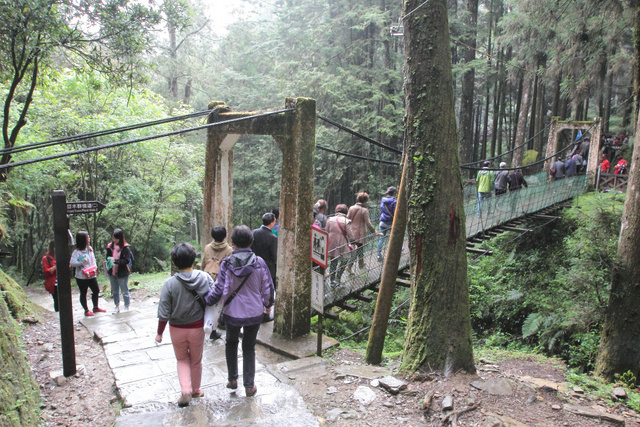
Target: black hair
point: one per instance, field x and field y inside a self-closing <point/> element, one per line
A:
<point x="391" y="191"/>
<point x="183" y="255"/>
<point x="119" y="234"/>
<point x="276" y="212"/>
<point x="268" y="218"/>
<point x="218" y="233"/>
<point x="52" y="248"/>
<point x="82" y="238"/>
<point x="242" y="237"/>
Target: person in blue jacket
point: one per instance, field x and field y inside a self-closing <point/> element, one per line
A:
<point x="387" y="211"/>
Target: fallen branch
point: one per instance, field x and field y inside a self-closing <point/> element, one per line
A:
<point x="453" y="416"/>
<point x="426" y="404"/>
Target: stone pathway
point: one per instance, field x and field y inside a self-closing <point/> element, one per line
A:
<point x="147" y="380"/>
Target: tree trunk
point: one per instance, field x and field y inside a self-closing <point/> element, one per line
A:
<point x="522" y="122"/>
<point x="608" y="87"/>
<point x="438" y="332"/>
<point x="468" y="80"/>
<point x="620" y="344"/>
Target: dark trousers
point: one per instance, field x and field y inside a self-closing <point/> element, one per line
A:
<point x="54" y="295"/>
<point x="250" y="333"/>
<point x="359" y="254"/>
<point x="84" y="285"/>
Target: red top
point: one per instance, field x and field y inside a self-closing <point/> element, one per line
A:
<point x="48" y="262"/>
<point x="604" y="167"/>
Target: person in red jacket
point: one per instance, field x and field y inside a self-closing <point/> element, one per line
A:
<point x="605" y="165"/>
<point x="49" y="270"/>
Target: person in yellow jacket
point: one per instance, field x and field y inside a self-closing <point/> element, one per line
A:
<point x="485" y="181"/>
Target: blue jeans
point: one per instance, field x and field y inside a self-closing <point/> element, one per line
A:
<point x="384" y="229"/>
<point x="484" y="199"/>
<point x="120" y="284"/>
<point x="248" y="353"/>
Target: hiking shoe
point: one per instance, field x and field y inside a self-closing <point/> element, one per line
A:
<point x="126" y="308"/>
<point x="197" y="394"/>
<point x="251" y="391"/>
<point x="232" y="384"/>
<point x="88" y="313"/>
<point x="215" y="335"/>
<point x="116" y="310"/>
<point x="99" y="310"/>
<point x="184" y="400"/>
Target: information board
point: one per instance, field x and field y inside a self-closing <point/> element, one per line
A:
<point x="319" y="246"/>
<point x="317" y="292"/>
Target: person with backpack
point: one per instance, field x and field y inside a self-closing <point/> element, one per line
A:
<point x="50" y="276"/>
<point x="83" y="259"/>
<point x="485" y="180"/>
<point x="212" y="256"/>
<point x="387" y="211"/>
<point x="182" y="306"/>
<point x="119" y="262"/>
<point x="621" y="167"/>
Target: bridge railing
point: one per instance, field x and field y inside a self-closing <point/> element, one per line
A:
<point x="539" y="194"/>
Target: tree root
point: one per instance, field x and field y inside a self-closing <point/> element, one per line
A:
<point x="453" y="416"/>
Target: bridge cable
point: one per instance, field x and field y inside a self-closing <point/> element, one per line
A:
<point x="146" y="138"/>
<point x="342" y="153"/>
<point x="81" y="137"/>
<point x="359" y="135"/>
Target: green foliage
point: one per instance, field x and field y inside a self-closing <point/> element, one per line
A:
<point x="596" y="386"/>
<point x="550" y="288"/>
<point x="628" y="379"/>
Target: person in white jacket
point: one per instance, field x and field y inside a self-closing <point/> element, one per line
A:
<point x="84" y="261"/>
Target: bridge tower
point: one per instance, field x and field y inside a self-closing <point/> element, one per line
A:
<point x="294" y="132"/>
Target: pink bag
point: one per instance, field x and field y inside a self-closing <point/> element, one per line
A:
<point x="90" y="272"/>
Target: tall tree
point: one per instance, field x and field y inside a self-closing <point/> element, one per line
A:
<point x="468" y="82"/>
<point x="439" y="328"/>
<point x="105" y="35"/>
<point x="620" y="345"/>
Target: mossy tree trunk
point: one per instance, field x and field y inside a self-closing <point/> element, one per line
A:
<point x="439" y="328"/>
<point x="620" y="344"/>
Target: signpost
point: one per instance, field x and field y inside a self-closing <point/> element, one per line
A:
<point x="319" y="255"/>
<point x="62" y="236"/>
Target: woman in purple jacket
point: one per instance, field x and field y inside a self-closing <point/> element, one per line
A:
<point x="244" y="284"/>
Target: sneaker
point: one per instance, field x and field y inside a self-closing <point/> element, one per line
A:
<point x="126" y="308"/>
<point x="88" y="313"/>
<point x="380" y="258"/>
<point x="197" y="394"/>
<point x="184" y="400"/>
<point x="362" y="265"/>
<point x="116" y="310"/>
<point x="232" y="384"/>
<point x="215" y="335"/>
<point x="251" y="391"/>
<point x="99" y="310"/>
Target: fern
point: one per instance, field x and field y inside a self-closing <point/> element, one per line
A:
<point x="532" y="324"/>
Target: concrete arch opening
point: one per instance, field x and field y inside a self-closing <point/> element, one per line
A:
<point x="294" y="133"/>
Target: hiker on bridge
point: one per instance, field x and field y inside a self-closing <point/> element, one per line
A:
<point x="340" y="240"/>
<point x="500" y="183"/>
<point x="361" y="226"/>
<point x="485" y="181"/>
<point x="557" y="169"/>
<point x="516" y="181"/>
<point x="321" y="217"/>
<point x="387" y="211"/>
<point x="570" y="167"/>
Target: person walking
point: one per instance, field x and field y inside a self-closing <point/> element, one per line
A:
<point x="340" y="238"/>
<point x="485" y="180"/>
<point x="321" y="205"/>
<point x="84" y="260"/>
<point x="182" y="305"/>
<point x="387" y="211"/>
<point x="119" y="262"/>
<point x="501" y="178"/>
<point x="244" y="285"/>
<point x="516" y="182"/>
<point x="50" y="276"/>
<point x="212" y="256"/>
<point x="361" y="226"/>
<point x="265" y="243"/>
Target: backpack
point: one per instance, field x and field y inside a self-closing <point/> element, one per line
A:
<point x="623" y="169"/>
<point x="130" y="265"/>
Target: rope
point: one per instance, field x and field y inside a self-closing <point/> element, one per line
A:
<point x="359" y="135"/>
<point x="355" y="156"/>
<point x="132" y="141"/>
<point x="84" y="136"/>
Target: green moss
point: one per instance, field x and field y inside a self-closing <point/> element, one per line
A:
<point x="19" y="393"/>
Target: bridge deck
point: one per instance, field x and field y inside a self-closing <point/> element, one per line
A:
<point x="539" y="195"/>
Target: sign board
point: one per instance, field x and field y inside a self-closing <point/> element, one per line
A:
<point x="317" y="292"/>
<point x="319" y="246"/>
<point x="84" y="207"/>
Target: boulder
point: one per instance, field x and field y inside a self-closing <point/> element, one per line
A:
<point x="392" y="384"/>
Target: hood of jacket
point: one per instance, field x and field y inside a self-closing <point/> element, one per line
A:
<point x="192" y="279"/>
<point x="219" y="246"/>
<point x="483" y="171"/>
<point x="242" y="262"/>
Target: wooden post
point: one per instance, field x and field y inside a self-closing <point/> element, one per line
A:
<point x="389" y="273"/>
<point x="320" y="331"/>
<point x="61" y="239"/>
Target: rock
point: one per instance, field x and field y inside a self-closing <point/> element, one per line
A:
<point x="486" y="361"/>
<point x="594" y="413"/>
<point x="113" y="399"/>
<point x="40" y="342"/>
<point x="389" y="404"/>
<point x="619" y="392"/>
<point x="531" y="399"/>
<point x="31" y="320"/>
<point x="578" y="390"/>
<point x="374" y="383"/>
<point x="364" y="395"/>
<point x="447" y="403"/>
<point x="392" y="384"/>
<point x="556" y="407"/>
<point x="48" y="347"/>
<point x="80" y="370"/>
<point x="332" y="390"/>
<point x="334" y="414"/>
<point x="60" y="380"/>
<point x="426" y="403"/>
<point x="340" y="377"/>
<point x="499" y="387"/>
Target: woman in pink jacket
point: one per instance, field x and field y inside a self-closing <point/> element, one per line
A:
<point x="340" y="243"/>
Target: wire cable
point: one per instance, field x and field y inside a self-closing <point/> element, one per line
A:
<point x="81" y="137"/>
<point x="359" y="135"/>
<point x="132" y="141"/>
<point x="355" y="156"/>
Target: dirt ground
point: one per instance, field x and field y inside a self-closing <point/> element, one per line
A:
<point x="90" y="398"/>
